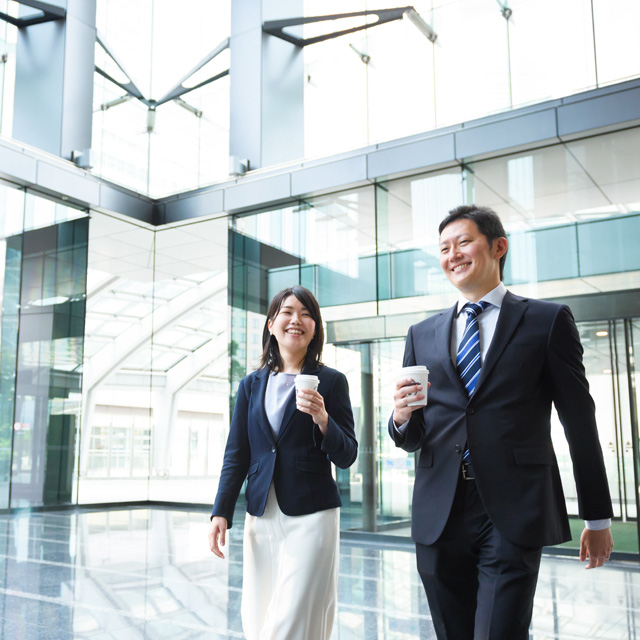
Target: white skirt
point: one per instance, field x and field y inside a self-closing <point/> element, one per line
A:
<point x="290" y="574"/>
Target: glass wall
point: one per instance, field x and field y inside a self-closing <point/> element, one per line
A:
<point x="155" y="409"/>
<point x="190" y="361"/>
<point x="113" y="356"/>
<point x="371" y="255"/>
<point x="116" y="418"/>
<point x="328" y="244"/>
<point x="44" y="258"/>
<point x="393" y="82"/>
<point x="8" y="40"/>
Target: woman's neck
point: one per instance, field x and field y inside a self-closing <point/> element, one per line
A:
<point x="291" y="363"/>
<point x="290" y="368"/>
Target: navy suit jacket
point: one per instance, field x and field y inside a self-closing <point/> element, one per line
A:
<point x="297" y="460"/>
<point x="535" y="358"/>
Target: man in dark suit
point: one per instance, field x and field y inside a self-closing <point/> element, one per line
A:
<point x="487" y="493"/>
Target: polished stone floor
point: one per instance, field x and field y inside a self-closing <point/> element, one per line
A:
<point x="147" y="573"/>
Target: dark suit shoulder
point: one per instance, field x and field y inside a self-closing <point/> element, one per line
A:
<point x="428" y="323"/>
<point x="535" y="307"/>
<point x="535" y="303"/>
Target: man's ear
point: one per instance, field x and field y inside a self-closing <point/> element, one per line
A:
<point x="500" y="247"/>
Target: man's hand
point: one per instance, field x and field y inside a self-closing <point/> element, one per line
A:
<point x="595" y="545"/>
<point x="401" y="398"/>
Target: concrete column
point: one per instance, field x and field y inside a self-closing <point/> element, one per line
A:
<point x="54" y="80"/>
<point x="267" y="86"/>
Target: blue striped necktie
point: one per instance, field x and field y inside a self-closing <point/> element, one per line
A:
<point x="468" y="356"/>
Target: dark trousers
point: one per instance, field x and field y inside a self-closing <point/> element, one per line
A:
<point x="479" y="585"/>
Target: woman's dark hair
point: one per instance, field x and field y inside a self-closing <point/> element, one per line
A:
<point x="271" y="358"/>
<point x="487" y="221"/>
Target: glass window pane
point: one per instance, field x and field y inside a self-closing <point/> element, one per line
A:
<point x="552" y="51"/>
<point x="621" y="233"/>
<point x="400" y="81"/>
<point x="408" y="214"/>
<point x="178" y="144"/>
<point x="617" y="44"/>
<point x="471" y="60"/>
<point x="48" y="381"/>
<point x="334" y="99"/>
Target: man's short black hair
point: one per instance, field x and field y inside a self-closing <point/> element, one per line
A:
<point x="486" y="219"/>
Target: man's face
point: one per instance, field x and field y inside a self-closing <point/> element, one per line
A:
<point x="470" y="264"/>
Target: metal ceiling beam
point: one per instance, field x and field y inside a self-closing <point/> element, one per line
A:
<point x="179" y="89"/>
<point x="277" y="27"/>
<point x="48" y="13"/>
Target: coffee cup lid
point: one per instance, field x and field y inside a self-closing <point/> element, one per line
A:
<point x="416" y="369"/>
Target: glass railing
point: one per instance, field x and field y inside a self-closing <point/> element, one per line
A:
<point x="579" y="250"/>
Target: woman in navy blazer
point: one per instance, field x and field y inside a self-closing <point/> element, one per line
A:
<point x="283" y="443"/>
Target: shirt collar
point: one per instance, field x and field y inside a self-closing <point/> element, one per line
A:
<point x="494" y="297"/>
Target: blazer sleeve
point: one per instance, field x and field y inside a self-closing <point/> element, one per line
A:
<point x="576" y="410"/>
<point x="237" y="456"/>
<point x="412" y="436"/>
<point x="339" y="443"/>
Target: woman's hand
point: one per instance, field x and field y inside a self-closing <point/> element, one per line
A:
<point x="311" y="402"/>
<point x="217" y="535"/>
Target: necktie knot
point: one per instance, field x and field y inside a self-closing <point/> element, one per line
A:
<point x="474" y="309"/>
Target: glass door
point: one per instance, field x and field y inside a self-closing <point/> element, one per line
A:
<point x="376" y="491"/>
<point x="396" y="467"/>
<point x="608" y="360"/>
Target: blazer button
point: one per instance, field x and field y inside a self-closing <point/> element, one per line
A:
<point x="470" y="411"/>
<point x="458" y="448"/>
<point x="273" y="449"/>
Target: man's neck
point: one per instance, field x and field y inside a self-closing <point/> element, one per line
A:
<point x="478" y="294"/>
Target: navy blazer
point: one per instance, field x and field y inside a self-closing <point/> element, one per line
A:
<point x="534" y="360"/>
<point x="297" y="460"/>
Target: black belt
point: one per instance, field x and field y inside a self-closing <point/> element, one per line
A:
<point x="467" y="471"/>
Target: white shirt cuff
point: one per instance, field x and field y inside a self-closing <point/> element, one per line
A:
<point x="598" y="525"/>
<point x="402" y="428"/>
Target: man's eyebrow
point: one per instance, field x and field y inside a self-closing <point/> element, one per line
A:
<point x="461" y="235"/>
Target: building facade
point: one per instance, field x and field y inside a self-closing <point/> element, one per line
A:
<point x="145" y="224"/>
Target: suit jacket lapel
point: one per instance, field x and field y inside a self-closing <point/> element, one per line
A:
<point x="258" y="413"/>
<point x="511" y="312"/>
<point x="444" y="327"/>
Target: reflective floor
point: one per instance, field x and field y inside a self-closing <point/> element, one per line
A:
<point x="148" y="573"/>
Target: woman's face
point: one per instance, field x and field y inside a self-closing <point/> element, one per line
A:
<point x="293" y="327"/>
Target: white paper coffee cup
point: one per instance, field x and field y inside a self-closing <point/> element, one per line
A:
<point x="304" y="381"/>
<point x="420" y="375"/>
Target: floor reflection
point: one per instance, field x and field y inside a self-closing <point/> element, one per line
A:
<point x="147" y="573"/>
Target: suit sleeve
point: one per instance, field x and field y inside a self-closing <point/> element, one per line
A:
<point x="576" y="411"/>
<point x="340" y="441"/>
<point x="411" y="438"/>
<point x="237" y="456"/>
